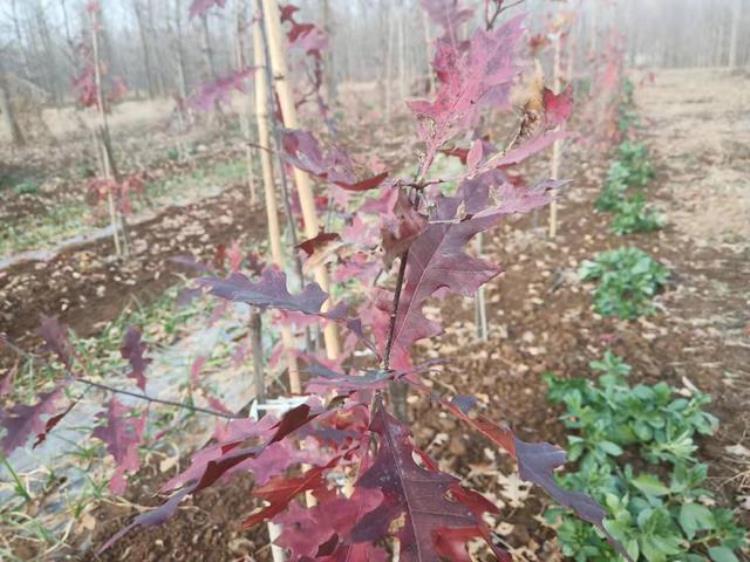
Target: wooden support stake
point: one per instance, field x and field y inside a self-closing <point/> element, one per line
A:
<point x="301" y="179"/>
<point x="274" y="231"/>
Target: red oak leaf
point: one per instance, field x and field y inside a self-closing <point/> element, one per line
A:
<point x="281" y="491"/>
<point x="287" y="12"/>
<point x="432" y="503"/>
<point x="448" y="14"/>
<point x="269" y="292"/>
<point x="324" y="379"/>
<point x="133" y="349"/>
<point x="303" y="150"/>
<point x="52" y="423"/>
<point x="528" y="149"/>
<point x="200" y="7"/>
<point x="437" y="259"/>
<point x="537" y="463"/>
<point x="306" y="531"/>
<point x="207" y="473"/>
<point x="21" y="421"/>
<point x="322" y="239"/>
<point x="122" y="434"/>
<point x="401" y="224"/>
<point x="218" y="91"/>
<point x="557" y="107"/>
<point x="470" y="81"/>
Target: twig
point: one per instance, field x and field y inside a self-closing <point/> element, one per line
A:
<point x="148" y="398"/>
<point x="75" y="378"/>
<point x="499" y="9"/>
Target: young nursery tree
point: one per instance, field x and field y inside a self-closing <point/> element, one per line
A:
<point x="376" y="494"/>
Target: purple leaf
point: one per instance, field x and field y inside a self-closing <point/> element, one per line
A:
<point x="200" y="7"/>
<point x="52" y="423"/>
<point x="219" y="91"/>
<point x="557" y="107"/>
<point x="322" y="239"/>
<point x="437" y="259"/>
<point x="434" y="525"/>
<point x="133" y="349"/>
<point x="303" y="150"/>
<point x="448" y="14"/>
<point x="122" y="435"/>
<point x="537" y="463"/>
<point x="21" y="421"/>
<point x="521" y="153"/>
<point x="269" y="292"/>
<point x="469" y="81"/>
<point x="324" y="379"/>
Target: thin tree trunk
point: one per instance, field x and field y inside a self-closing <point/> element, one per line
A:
<point x="256" y="347"/>
<point x="734" y="33"/>
<point x="388" y="64"/>
<point x="19" y="39"/>
<point x="208" y="53"/>
<point x="109" y="169"/>
<point x="6" y="108"/>
<point x="302" y="180"/>
<point x="138" y="9"/>
<point x="247" y="102"/>
<point x="180" y="55"/>
<point x="328" y="27"/>
<point x="400" y="22"/>
<point x="49" y="55"/>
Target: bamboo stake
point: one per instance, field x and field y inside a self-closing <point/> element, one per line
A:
<point x="276" y="136"/>
<point x="557" y="146"/>
<point x="274" y="231"/>
<point x="302" y="180"/>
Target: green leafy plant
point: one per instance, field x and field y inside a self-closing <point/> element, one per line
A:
<point x="632" y="168"/>
<point x="657" y="505"/>
<point x="633" y="215"/>
<point x="634" y="157"/>
<point x="628" y="278"/>
<point x="614" y="188"/>
<point x="26" y="187"/>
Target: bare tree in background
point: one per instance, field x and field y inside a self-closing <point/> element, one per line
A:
<point x="6" y="108"/>
<point x="735" y="32"/>
<point x="143" y="33"/>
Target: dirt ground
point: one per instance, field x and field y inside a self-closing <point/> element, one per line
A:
<point x="540" y="319"/>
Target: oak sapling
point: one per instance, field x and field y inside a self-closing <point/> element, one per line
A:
<point x="372" y="484"/>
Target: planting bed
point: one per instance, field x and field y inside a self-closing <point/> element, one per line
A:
<point x="541" y="320"/>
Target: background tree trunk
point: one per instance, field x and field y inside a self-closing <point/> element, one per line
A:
<point x="6" y="108"/>
<point x="734" y="33"/>
<point x="143" y="33"/>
